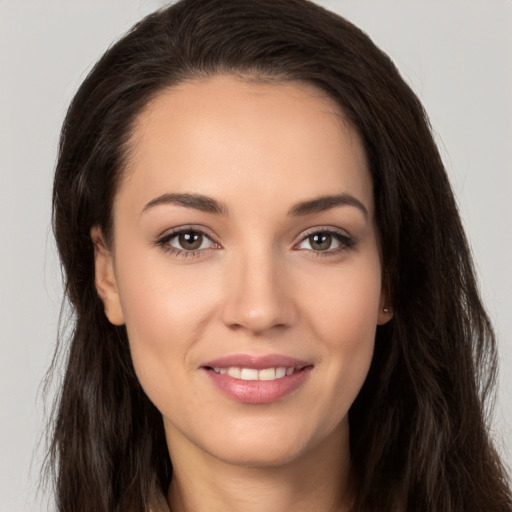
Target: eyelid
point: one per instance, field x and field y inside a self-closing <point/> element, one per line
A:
<point x="344" y="238"/>
<point x="163" y="239"/>
<point x="324" y="229"/>
<point x="199" y="228"/>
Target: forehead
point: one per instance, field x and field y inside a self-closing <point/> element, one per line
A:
<point x="223" y="135"/>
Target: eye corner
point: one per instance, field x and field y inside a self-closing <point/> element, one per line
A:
<point x="163" y="242"/>
<point x="331" y="235"/>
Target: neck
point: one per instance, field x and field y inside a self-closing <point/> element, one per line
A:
<point x="317" y="480"/>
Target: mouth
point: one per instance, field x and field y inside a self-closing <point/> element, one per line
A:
<point x="266" y="374"/>
<point x="257" y="380"/>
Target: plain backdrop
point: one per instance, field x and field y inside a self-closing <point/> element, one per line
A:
<point x="457" y="55"/>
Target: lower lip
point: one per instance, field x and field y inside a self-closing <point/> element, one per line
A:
<point x="258" y="391"/>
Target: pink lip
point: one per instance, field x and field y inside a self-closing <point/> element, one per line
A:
<point x="257" y="391"/>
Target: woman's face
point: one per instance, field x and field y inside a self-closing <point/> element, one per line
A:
<point x="246" y="267"/>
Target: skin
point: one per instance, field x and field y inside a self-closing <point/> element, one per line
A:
<point x="258" y="285"/>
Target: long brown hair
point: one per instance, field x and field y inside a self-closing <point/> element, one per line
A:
<point x="419" y="438"/>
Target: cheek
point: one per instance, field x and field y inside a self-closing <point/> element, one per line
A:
<point x="342" y="303"/>
<point x="166" y="311"/>
<point x="344" y="317"/>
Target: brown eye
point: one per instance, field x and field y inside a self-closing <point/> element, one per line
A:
<point x="190" y="240"/>
<point x="320" y="241"/>
<point x="326" y="243"/>
<point x="186" y="242"/>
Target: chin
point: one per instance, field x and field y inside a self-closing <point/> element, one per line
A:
<point x="274" y="445"/>
<point x="259" y="454"/>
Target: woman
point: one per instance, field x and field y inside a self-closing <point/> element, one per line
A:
<point x="275" y="304"/>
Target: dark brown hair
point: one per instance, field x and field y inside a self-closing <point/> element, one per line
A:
<point x="419" y="440"/>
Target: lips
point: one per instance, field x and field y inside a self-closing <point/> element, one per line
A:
<point x="257" y="380"/>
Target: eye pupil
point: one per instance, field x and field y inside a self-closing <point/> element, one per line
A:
<point x="190" y="240"/>
<point x="320" y="241"/>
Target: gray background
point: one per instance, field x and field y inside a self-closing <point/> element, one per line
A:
<point x="457" y="56"/>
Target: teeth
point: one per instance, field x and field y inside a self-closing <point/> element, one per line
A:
<point x="253" y="374"/>
<point x="249" y="374"/>
<point x="281" y="372"/>
<point x="234" y="372"/>
<point x="267" y="374"/>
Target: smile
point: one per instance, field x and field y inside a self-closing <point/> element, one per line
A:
<point x="257" y="379"/>
<point x="254" y="374"/>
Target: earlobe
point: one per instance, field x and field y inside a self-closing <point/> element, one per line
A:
<point x="385" y="311"/>
<point x="385" y="315"/>
<point x="105" y="279"/>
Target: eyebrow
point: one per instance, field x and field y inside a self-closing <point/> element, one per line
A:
<point x="324" y="203"/>
<point x="210" y="205"/>
<point x="195" y="201"/>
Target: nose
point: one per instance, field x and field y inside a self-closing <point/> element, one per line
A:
<point x="258" y="294"/>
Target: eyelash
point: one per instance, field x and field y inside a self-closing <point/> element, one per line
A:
<point x="163" y="242"/>
<point x="346" y="242"/>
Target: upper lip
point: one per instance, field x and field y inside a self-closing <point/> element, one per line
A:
<point x="257" y="362"/>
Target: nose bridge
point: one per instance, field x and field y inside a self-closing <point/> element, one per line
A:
<point x="257" y="293"/>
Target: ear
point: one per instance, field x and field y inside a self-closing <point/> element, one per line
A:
<point x="385" y="310"/>
<point x="105" y="279"/>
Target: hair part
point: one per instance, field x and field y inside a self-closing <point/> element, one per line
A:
<point x="434" y="363"/>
